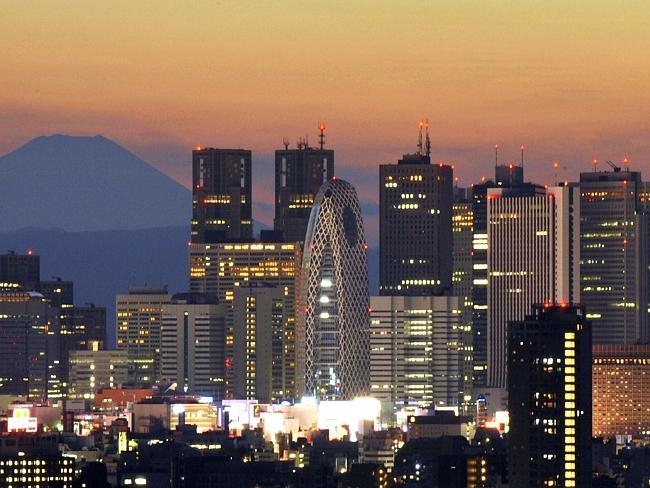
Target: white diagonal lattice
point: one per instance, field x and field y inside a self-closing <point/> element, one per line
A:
<point x="334" y="327"/>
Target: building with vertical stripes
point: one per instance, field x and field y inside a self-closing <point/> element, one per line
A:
<point x="533" y="257"/>
<point x="193" y="344"/>
<point x="260" y="312"/>
<point x="220" y="269"/>
<point x="417" y="351"/>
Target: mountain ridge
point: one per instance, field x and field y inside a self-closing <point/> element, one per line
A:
<point x="82" y="183"/>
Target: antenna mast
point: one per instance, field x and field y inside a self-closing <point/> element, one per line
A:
<point x="496" y="156"/>
<point x="321" y="136"/>
<point x="285" y="143"/>
<point x="522" y="155"/>
<point x="427" y="141"/>
<point x="419" y="153"/>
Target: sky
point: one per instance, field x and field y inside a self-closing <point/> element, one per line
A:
<point x="568" y="79"/>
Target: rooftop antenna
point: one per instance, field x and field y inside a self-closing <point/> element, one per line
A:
<point x="321" y="136"/>
<point x="419" y="151"/>
<point x="626" y="163"/>
<point x="428" y="141"/>
<point x="522" y="155"/>
<point x="285" y="143"/>
<point x="496" y="156"/>
<point x="595" y="163"/>
<point x="556" y="165"/>
<point x="306" y="141"/>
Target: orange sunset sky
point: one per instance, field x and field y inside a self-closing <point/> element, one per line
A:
<point x="569" y="79"/>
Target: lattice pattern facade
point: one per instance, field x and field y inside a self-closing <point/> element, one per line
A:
<point x="334" y="328"/>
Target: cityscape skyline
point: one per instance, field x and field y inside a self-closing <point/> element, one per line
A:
<point x="526" y="75"/>
<point x="364" y="244"/>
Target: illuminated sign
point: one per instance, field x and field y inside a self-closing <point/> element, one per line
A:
<point x="21" y="421"/>
<point x="122" y="442"/>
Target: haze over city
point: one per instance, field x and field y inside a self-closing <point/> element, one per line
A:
<point x="568" y="80"/>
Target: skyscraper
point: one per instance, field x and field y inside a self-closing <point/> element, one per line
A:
<point x="533" y="257"/>
<point x="21" y="269"/>
<point x="219" y="269"/>
<point x="299" y="173"/>
<point x="549" y="398"/>
<point x="417" y="350"/>
<point x="415" y="237"/>
<point x="29" y="349"/>
<point x="192" y="352"/>
<point x="614" y="255"/>
<point x="505" y="176"/>
<point x="90" y="322"/>
<point x="260" y="312"/>
<point x="333" y="334"/>
<point x="221" y="195"/>
<point x="463" y="277"/>
<point x="60" y="294"/>
<point x="139" y="319"/>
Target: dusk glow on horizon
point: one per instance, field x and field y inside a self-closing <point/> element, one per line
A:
<point x="567" y="80"/>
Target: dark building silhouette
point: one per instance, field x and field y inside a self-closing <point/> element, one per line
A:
<point x="21" y="269"/>
<point x="60" y="294"/>
<point x="221" y="195"/>
<point x="549" y="398"/>
<point x="299" y="173"/>
<point x="415" y="231"/>
<point x="90" y="322"/>
<point x="614" y="255"/>
<point x="29" y="349"/>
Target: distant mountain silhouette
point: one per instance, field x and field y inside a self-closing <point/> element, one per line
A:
<point x="86" y="183"/>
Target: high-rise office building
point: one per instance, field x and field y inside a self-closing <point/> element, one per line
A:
<point x="90" y="323"/>
<point x="20" y="269"/>
<point x="333" y="334"/>
<point x="60" y="294"/>
<point x="463" y="277"/>
<point x="505" y="176"/>
<point x="533" y="257"/>
<point x="260" y="312"/>
<point x="614" y="255"/>
<point x="417" y="351"/>
<point x="549" y="398"/>
<point x="219" y="269"/>
<point x="29" y="349"/>
<point x="415" y="236"/>
<point x="192" y="353"/>
<point x="139" y="319"/>
<point x="621" y="390"/>
<point x="221" y="195"/>
<point x="94" y="369"/>
<point x="299" y="173"/>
